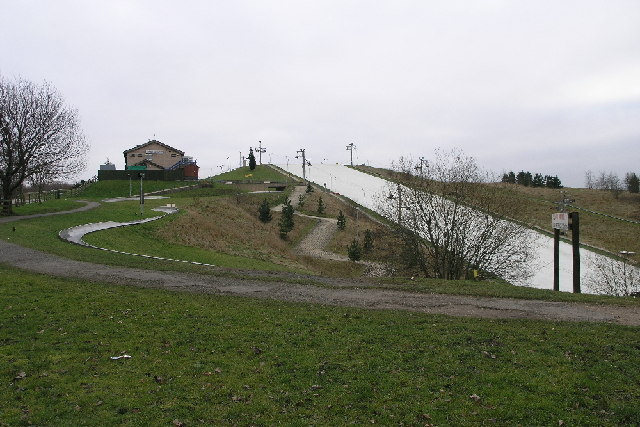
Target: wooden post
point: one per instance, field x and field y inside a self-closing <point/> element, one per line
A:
<point x="575" y="240"/>
<point x="556" y="259"/>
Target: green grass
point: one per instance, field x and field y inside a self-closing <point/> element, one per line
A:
<point x="205" y="359"/>
<point x="142" y="240"/>
<point x="260" y="174"/>
<point x="42" y="234"/>
<point x="120" y="188"/>
<point x="55" y="205"/>
<point x="499" y="289"/>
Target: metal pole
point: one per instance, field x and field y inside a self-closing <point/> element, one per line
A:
<point x="556" y="259"/>
<point x="575" y="240"/>
<point x="141" y="195"/>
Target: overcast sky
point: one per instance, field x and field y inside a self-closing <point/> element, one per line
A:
<point x="544" y="86"/>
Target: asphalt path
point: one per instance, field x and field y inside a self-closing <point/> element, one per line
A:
<point x="297" y="288"/>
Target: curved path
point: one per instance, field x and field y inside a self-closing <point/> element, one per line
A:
<point x="355" y="293"/>
<point x="338" y="292"/>
<point x="86" y="207"/>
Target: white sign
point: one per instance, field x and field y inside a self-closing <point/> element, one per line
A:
<point x="560" y="221"/>
<point x="155" y="152"/>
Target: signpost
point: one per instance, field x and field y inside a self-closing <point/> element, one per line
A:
<point x="563" y="221"/>
<point x="560" y="221"/>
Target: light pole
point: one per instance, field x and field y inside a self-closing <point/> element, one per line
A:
<point x="420" y="166"/>
<point x="141" y="174"/>
<point x="130" y="185"/>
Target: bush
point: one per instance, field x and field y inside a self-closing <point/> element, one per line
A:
<point x="321" y="206"/>
<point x="354" y="251"/>
<point x="367" y="247"/>
<point x="286" y="220"/>
<point x="264" y="211"/>
<point x="342" y="221"/>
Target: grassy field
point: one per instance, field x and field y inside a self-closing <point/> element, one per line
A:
<point x="56" y="205"/>
<point x="260" y="174"/>
<point x="120" y="188"/>
<point x="203" y="359"/>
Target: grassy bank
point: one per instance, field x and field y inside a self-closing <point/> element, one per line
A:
<point x="203" y="359"/>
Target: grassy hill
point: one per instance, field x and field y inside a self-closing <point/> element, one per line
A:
<point x="534" y="206"/>
<point x="220" y="360"/>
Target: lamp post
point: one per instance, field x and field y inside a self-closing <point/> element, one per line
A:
<point x="141" y="174"/>
<point x="422" y="164"/>
<point x="130" y="185"/>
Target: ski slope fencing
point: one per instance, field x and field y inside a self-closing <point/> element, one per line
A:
<point x="371" y="192"/>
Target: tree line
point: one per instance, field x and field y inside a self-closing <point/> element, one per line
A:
<point x="610" y="181"/>
<point x="532" y="180"/>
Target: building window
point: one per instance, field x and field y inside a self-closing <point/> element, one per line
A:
<point x="139" y="154"/>
<point x="132" y="155"/>
<point x="174" y="155"/>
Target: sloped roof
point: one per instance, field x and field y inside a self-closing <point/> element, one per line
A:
<point x="153" y="141"/>
<point x="148" y="162"/>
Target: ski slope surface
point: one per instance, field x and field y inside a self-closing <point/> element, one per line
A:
<point x="371" y="191"/>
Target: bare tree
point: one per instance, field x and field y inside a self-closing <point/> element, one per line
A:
<point x="612" y="277"/>
<point x="608" y="181"/>
<point x="589" y="179"/>
<point x="452" y="223"/>
<point x="39" y="136"/>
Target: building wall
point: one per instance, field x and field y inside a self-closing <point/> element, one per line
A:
<point x="156" y="153"/>
<point x="191" y="172"/>
<point x="149" y="175"/>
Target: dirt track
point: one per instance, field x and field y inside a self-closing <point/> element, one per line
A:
<point x="341" y="292"/>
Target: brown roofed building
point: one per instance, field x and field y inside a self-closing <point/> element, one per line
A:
<point x="154" y="155"/>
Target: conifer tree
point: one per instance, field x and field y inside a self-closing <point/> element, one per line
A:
<point x="367" y="246"/>
<point x="252" y="159"/>
<point x="321" y="207"/>
<point x="264" y="211"/>
<point x="354" y="251"/>
<point x="286" y="219"/>
<point x="342" y="221"/>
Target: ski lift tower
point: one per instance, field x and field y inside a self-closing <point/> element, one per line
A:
<point x="350" y="148"/>
<point x="260" y="149"/>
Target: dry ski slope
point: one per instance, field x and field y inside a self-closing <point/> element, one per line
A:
<point x="369" y="191"/>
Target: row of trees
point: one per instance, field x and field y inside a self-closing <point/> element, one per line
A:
<point x="532" y="180"/>
<point x="40" y="137"/>
<point x="611" y="182"/>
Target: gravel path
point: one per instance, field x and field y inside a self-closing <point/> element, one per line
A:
<point x="337" y="292"/>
